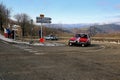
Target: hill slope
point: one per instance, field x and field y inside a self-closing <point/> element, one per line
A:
<point x="108" y="28"/>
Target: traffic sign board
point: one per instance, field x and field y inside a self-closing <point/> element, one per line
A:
<point x="43" y="20"/>
<point x="47" y="18"/>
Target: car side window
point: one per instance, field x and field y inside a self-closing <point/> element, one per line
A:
<point x="77" y="35"/>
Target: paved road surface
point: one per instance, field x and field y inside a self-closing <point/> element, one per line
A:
<point x="23" y="62"/>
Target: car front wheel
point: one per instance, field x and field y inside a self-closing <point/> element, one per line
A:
<point x="70" y="44"/>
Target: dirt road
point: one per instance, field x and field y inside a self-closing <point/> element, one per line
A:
<point x="96" y="62"/>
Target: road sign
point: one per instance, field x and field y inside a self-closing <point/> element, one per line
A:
<point x="47" y="18"/>
<point x="43" y="20"/>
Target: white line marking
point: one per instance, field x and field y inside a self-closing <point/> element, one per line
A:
<point x="33" y="51"/>
<point x="27" y="49"/>
<point x="5" y="42"/>
<point x="39" y="53"/>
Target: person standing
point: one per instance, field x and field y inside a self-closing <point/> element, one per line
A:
<point x="5" y="33"/>
<point x="12" y="34"/>
<point x="9" y="33"/>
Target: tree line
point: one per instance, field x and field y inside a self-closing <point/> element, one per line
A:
<point x="22" y="19"/>
<point x="4" y="16"/>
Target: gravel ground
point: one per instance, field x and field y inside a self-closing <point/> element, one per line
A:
<point x="95" y="62"/>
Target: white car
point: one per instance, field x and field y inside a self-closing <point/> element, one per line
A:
<point x="51" y="37"/>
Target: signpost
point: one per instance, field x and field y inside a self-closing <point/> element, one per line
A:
<point x="42" y="20"/>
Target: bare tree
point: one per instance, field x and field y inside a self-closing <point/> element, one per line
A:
<point x="92" y="31"/>
<point x="24" y="21"/>
<point x="4" y="16"/>
<point x="18" y="18"/>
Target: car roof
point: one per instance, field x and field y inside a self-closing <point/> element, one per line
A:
<point x="81" y="35"/>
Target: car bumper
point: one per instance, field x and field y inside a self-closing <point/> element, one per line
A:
<point x="79" y="43"/>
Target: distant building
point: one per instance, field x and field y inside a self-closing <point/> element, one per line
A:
<point x="18" y="30"/>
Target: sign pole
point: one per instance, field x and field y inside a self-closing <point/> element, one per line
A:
<point x="41" y="31"/>
<point x="41" y="16"/>
<point x="41" y="19"/>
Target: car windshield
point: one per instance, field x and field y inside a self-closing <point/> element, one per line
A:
<point x="77" y="35"/>
<point x="81" y="35"/>
<point x="84" y="36"/>
<point x="52" y="35"/>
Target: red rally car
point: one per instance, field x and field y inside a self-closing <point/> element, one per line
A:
<point x="80" y="39"/>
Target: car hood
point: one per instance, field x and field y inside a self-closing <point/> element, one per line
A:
<point x="73" y="38"/>
<point x="83" y="40"/>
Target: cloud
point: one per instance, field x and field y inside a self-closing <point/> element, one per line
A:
<point x="118" y="16"/>
<point x="113" y="19"/>
<point x="117" y="6"/>
<point x="103" y="3"/>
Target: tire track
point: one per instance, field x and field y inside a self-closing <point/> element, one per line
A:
<point x="29" y="49"/>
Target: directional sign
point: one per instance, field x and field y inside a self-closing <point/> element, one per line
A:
<point x="43" y="20"/>
<point x="47" y="18"/>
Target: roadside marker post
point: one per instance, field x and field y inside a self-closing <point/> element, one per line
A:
<point x="42" y="40"/>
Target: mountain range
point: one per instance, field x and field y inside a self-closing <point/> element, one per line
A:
<point x="97" y="28"/>
<point x="106" y="28"/>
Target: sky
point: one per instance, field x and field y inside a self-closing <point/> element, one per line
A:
<point x="68" y="11"/>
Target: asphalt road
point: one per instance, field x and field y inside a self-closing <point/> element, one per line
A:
<point x="23" y="62"/>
